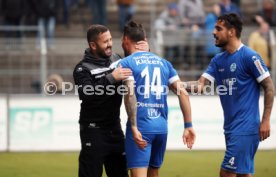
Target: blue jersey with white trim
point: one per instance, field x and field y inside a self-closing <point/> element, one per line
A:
<point x="152" y="75"/>
<point x="238" y="76"/>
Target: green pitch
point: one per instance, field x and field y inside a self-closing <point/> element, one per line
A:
<point x="177" y="164"/>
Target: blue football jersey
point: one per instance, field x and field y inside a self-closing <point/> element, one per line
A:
<point x="240" y="74"/>
<point x="152" y="75"/>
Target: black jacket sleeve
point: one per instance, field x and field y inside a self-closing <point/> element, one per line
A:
<point x="87" y="83"/>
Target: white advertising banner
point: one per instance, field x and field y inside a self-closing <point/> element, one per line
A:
<point x="208" y="118"/>
<point x="207" y="122"/>
<point x="44" y="123"/>
<point x="51" y="123"/>
<point x="3" y="123"/>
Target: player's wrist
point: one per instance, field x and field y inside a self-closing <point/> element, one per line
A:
<point x="134" y="127"/>
<point x="188" y="124"/>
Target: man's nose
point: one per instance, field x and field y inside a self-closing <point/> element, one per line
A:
<point x="109" y="44"/>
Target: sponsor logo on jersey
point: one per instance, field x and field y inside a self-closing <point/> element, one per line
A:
<point x="259" y="67"/>
<point x="229" y="81"/>
<point x="149" y="60"/>
<point x="153" y="113"/>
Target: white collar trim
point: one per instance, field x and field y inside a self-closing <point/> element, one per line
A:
<point x="240" y="46"/>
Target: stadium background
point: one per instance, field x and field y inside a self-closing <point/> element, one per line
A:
<point x="39" y="133"/>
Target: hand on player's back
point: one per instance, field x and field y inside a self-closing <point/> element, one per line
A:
<point x="142" y="46"/>
<point x="121" y="73"/>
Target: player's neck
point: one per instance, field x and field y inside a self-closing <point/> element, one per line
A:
<point x="134" y="50"/>
<point x="233" y="46"/>
<point x="138" y="51"/>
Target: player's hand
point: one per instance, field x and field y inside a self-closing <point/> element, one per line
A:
<point x="121" y="73"/>
<point x="141" y="143"/>
<point x="142" y="45"/>
<point x="189" y="137"/>
<point x="264" y="131"/>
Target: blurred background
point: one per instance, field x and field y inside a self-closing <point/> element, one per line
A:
<point x="42" y="41"/>
<point x="38" y="39"/>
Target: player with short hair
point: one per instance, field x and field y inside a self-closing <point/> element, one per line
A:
<point x="102" y="138"/>
<point x="242" y="71"/>
<point x="146" y="105"/>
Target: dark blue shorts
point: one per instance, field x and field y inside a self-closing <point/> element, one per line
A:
<point x="151" y="156"/>
<point x="240" y="152"/>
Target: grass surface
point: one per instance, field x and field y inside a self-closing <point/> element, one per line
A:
<point x="176" y="164"/>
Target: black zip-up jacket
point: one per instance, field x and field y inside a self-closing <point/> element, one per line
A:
<point x="99" y="107"/>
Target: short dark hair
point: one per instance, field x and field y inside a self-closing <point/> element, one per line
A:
<point x="94" y="31"/>
<point x="134" y="31"/>
<point x="232" y="20"/>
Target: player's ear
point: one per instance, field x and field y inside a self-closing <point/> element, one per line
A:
<point x="231" y="32"/>
<point x="92" y="45"/>
<point x="126" y="38"/>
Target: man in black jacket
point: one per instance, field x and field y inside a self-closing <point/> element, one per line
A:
<point x="102" y="138"/>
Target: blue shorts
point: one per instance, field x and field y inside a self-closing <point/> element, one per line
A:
<point x="240" y="152"/>
<point x="151" y="156"/>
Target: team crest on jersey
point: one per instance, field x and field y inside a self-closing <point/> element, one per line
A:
<point x="233" y="67"/>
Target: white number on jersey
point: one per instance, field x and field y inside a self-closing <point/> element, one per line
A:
<point x="155" y="86"/>
<point x="231" y="161"/>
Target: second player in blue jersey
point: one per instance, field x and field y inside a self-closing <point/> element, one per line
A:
<point x="239" y="72"/>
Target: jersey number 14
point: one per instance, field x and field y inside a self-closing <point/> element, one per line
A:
<point x="154" y="84"/>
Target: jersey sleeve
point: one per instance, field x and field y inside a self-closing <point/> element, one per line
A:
<point x="210" y="71"/>
<point x="257" y="68"/>
<point x="124" y="63"/>
<point x="173" y="76"/>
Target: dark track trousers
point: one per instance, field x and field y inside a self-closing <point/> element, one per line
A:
<point x="102" y="147"/>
